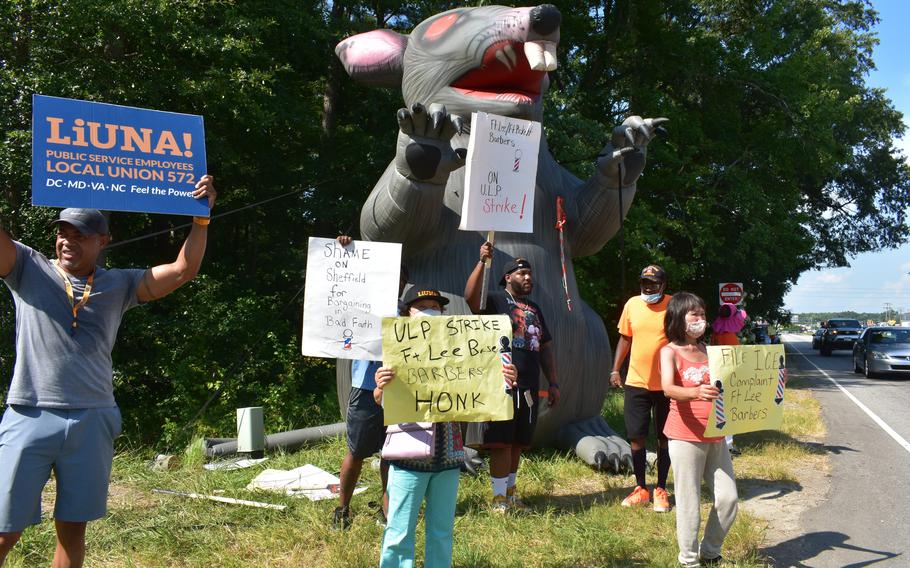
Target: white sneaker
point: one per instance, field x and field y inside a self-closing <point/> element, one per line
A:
<point x="500" y="504"/>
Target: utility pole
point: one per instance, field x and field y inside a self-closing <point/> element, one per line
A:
<point x="887" y="307"/>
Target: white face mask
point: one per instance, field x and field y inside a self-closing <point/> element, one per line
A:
<point x="696" y="328"/>
<point x="652" y="298"/>
<point x="427" y="312"/>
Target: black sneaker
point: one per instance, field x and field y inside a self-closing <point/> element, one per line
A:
<point x="341" y="518"/>
<point x="381" y="519"/>
<point x="712" y="561"/>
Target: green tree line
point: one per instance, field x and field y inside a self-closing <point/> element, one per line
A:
<point x="779" y="160"/>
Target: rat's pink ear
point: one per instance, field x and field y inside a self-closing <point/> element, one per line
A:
<point x="374" y="58"/>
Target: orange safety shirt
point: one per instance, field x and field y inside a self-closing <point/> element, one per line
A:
<point x="643" y="323"/>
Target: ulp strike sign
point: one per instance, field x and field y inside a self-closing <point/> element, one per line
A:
<point x="116" y="158"/>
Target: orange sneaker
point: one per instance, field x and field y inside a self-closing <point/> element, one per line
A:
<point x="661" y="500"/>
<point x="639" y="496"/>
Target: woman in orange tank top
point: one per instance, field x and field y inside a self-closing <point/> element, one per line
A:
<point x="686" y="379"/>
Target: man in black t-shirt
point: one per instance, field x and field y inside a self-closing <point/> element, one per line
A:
<point x="531" y="350"/>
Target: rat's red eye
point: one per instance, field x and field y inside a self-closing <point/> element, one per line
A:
<point x="439" y="27"/>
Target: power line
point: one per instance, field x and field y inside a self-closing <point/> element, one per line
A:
<point x="218" y="216"/>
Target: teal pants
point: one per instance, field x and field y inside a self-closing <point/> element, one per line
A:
<point x="407" y="491"/>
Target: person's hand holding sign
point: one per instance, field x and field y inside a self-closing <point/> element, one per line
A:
<point x="706" y="392"/>
<point x="486" y="251"/>
<point x="510" y="375"/>
<point x="384" y="376"/>
<point x="205" y="188"/>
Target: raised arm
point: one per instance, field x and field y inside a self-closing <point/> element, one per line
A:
<point x="161" y="280"/>
<point x="7" y="253"/>
<point x="475" y="281"/>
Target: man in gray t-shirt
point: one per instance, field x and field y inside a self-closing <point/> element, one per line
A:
<point x="61" y="413"/>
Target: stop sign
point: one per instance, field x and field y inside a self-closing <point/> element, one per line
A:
<point x="730" y="292"/>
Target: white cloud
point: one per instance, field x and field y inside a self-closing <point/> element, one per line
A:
<point x="901" y="285"/>
<point x="832" y="277"/>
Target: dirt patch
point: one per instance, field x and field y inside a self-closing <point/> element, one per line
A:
<point x="119" y="496"/>
<point x="782" y="503"/>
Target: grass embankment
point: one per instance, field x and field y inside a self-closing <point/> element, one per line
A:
<point x="576" y="519"/>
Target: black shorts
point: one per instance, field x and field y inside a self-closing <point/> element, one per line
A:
<point x="638" y="408"/>
<point x="515" y="433"/>
<point x="365" y="431"/>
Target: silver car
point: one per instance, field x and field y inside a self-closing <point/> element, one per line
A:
<point x="882" y="350"/>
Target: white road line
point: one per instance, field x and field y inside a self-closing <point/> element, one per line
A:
<point x="882" y="424"/>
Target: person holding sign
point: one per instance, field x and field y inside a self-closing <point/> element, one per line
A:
<point x="433" y="479"/>
<point x="729" y="322"/>
<point x="363" y="427"/>
<point x="531" y="348"/>
<point x="62" y="415"/>
<point x="686" y="379"/>
<point x="641" y="332"/>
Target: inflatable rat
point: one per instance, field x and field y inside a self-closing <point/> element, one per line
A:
<point x="495" y="59"/>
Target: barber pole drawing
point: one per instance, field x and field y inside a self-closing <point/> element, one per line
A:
<point x="505" y="353"/>
<point x="781" y="377"/>
<point x="517" y="163"/>
<point x="719" y="415"/>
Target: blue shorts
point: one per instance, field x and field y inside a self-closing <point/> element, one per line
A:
<point x="365" y="430"/>
<point x="78" y="445"/>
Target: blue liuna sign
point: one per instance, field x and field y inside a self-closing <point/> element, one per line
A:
<point x="116" y="158"/>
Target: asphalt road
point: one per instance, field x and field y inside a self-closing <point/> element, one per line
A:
<point x="865" y="519"/>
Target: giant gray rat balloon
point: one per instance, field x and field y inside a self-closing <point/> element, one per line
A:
<point x="495" y="59"/>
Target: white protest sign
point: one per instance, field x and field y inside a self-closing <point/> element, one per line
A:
<point x="501" y="174"/>
<point x="348" y="292"/>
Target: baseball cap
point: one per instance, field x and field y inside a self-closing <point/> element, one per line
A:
<point x="512" y="266"/>
<point x="654" y="273"/>
<point x="416" y="293"/>
<point x="86" y="221"/>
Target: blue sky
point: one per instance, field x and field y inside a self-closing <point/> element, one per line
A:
<point x="872" y="279"/>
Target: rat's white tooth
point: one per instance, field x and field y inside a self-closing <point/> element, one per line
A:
<point x="535" y="55"/>
<point x="550" y="55"/>
<point x="510" y="53"/>
<point x="501" y="57"/>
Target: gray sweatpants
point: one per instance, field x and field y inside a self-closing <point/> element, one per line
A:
<point x="692" y="462"/>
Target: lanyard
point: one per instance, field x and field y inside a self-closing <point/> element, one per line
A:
<point x="69" y="291"/>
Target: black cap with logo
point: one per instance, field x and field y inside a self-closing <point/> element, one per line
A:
<point x="86" y="221"/>
<point x="512" y="266"/>
<point x="416" y="293"/>
<point x="653" y="273"/>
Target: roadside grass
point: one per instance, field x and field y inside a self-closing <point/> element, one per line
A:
<point x="576" y="518"/>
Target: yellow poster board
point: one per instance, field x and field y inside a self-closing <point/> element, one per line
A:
<point x="752" y="388"/>
<point x="447" y="369"/>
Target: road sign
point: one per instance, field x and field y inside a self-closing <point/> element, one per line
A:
<point x="730" y="292"/>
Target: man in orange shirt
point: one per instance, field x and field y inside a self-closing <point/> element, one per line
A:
<point x="641" y="332"/>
